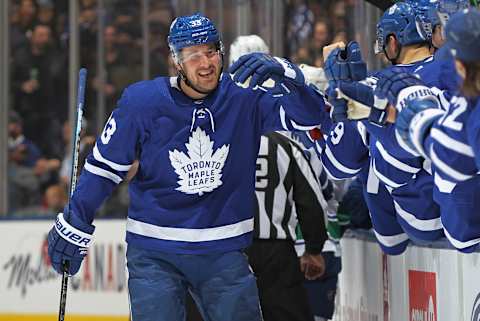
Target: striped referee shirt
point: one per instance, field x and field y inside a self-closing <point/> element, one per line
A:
<point x="288" y="192"/>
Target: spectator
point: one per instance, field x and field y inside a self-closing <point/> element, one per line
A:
<point x="40" y="93"/>
<point x="23" y="22"/>
<point x="300" y="26"/>
<point x="55" y="198"/>
<point x="321" y="37"/>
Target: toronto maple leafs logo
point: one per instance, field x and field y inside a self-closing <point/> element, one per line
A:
<point x="201" y="170"/>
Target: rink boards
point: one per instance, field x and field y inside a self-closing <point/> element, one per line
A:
<point x="30" y="290"/>
<point x="424" y="284"/>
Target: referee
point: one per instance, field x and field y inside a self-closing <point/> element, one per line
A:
<point x="288" y="193"/>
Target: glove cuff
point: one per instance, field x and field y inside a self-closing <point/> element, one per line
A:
<point x="413" y="92"/>
<point x="73" y="234"/>
<point x="291" y="71"/>
<point x="378" y="113"/>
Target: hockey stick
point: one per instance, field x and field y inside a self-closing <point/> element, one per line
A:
<point x="82" y="78"/>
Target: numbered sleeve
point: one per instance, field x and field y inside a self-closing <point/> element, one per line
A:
<point x="346" y="151"/>
<point x="453" y="159"/>
<point x="473" y="132"/>
<point x="112" y="157"/>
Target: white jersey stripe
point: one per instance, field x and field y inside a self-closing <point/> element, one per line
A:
<point x="451" y="143"/>
<point x="187" y="234"/>
<point x="419" y="224"/>
<point x="439" y="164"/>
<point x="337" y="164"/>
<point x="391" y="240"/>
<point x="118" y="167"/>
<point x="103" y="173"/>
<point x="395" y="162"/>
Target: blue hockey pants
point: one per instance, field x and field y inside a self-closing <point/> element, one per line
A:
<point x="221" y="284"/>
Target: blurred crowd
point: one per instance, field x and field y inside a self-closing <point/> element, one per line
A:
<point x="39" y="151"/>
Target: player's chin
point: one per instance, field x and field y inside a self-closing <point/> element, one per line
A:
<point x="208" y="84"/>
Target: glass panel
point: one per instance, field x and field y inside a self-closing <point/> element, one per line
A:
<point x="39" y="100"/>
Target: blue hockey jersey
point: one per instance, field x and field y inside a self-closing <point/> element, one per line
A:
<point x="346" y="154"/>
<point x="407" y="174"/>
<point x="452" y="145"/>
<point x="194" y="189"/>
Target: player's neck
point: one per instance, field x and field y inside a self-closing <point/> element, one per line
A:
<point x="190" y="92"/>
<point x="413" y="54"/>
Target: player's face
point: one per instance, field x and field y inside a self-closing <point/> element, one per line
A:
<point x="437" y="36"/>
<point x="461" y="70"/>
<point x="202" y="65"/>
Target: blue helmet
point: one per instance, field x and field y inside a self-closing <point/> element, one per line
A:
<point x="445" y="9"/>
<point x="422" y="9"/>
<point x="463" y="36"/>
<point x="401" y="21"/>
<point x="192" y="30"/>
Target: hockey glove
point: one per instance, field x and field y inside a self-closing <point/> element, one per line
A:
<point x="345" y="64"/>
<point x="398" y="87"/>
<point x="338" y="106"/>
<point x="361" y="100"/>
<point x="413" y="122"/>
<point x="260" y="67"/>
<point x="68" y="241"/>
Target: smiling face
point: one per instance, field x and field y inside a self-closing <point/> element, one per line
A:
<point x="201" y="66"/>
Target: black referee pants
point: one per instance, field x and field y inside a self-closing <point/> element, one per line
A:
<point x="279" y="280"/>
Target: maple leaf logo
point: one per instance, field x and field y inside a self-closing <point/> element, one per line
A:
<point x="201" y="170"/>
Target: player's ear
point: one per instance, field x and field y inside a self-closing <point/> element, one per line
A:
<point x="392" y="46"/>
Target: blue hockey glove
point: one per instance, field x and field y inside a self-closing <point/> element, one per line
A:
<point x="338" y="111"/>
<point x="69" y="241"/>
<point x="361" y="100"/>
<point x="346" y="64"/>
<point x="415" y="119"/>
<point x="260" y="67"/>
<point x="392" y="81"/>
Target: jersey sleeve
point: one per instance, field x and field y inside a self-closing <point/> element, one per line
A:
<point x="346" y="151"/>
<point x="113" y="154"/>
<point x="449" y="150"/>
<point x="473" y="133"/>
<point x="289" y="107"/>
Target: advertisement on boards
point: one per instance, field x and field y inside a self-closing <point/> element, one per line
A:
<point x="422" y="291"/>
<point x="29" y="285"/>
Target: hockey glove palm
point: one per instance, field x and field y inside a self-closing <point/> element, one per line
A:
<point x="69" y="242"/>
<point x="361" y="100"/>
<point x="260" y="67"/>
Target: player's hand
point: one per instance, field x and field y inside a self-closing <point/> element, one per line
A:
<point x="415" y="119"/>
<point x="338" y="106"/>
<point x="345" y="64"/>
<point x="260" y="67"/>
<point x="327" y="50"/>
<point x="361" y="99"/>
<point x="312" y="265"/>
<point x="68" y="241"/>
<point x="397" y="87"/>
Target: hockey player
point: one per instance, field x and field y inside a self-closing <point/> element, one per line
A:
<point x="450" y="138"/>
<point x="405" y="175"/>
<point x="439" y="15"/>
<point x="196" y="137"/>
